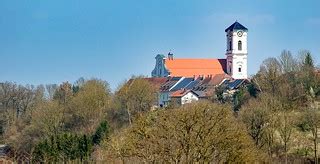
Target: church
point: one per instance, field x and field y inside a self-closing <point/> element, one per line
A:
<point x="234" y="65"/>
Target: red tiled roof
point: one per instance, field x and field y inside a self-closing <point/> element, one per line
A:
<point x="217" y="79"/>
<point x="179" y="93"/>
<point x="214" y="80"/>
<point x="195" y="67"/>
<point x="156" y="81"/>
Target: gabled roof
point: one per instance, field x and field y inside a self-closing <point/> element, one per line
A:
<point x="234" y="84"/>
<point x="201" y="94"/>
<point x="195" y="67"/>
<point x="217" y="79"/>
<point x="182" y="84"/>
<point x="181" y="93"/>
<point x="236" y="26"/>
<point x="209" y="83"/>
<point x="192" y="84"/>
<point x="157" y="81"/>
<point x="170" y="83"/>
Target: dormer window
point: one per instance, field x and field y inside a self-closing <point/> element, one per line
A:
<point x="239" y="45"/>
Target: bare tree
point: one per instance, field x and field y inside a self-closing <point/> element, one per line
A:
<point x="51" y="89"/>
<point x="285" y="127"/>
<point x="136" y="96"/>
<point x="195" y="133"/>
<point x="287" y="61"/>
<point x="268" y="75"/>
<point x="259" y="117"/>
<point x="312" y="119"/>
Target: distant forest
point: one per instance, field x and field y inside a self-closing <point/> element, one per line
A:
<point x="275" y="119"/>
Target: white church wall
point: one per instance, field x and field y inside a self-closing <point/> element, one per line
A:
<point x="235" y="41"/>
<point x="239" y="61"/>
<point x="237" y="58"/>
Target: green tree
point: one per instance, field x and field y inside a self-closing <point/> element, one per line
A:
<point x="259" y="117"/>
<point x="219" y="97"/>
<point x="64" y="93"/>
<point x="88" y="107"/>
<point x="63" y="147"/>
<point x="285" y="128"/>
<point x="312" y="121"/>
<point x="101" y="132"/>
<point x="136" y="96"/>
<point x="252" y="90"/>
<point x="84" y="147"/>
<point x="268" y="75"/>
<point x="194" y="133"/>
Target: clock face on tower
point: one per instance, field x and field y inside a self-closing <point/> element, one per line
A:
<point x="239" y="33"/>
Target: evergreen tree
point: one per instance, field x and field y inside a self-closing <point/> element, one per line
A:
<point x="308" y="60"/>
<point x="238" y="99"/>
<point x="101" y="132"/>
<point x="253" y="91"/>
<point x="84" y="147"/>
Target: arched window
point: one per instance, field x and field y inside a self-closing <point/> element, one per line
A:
<point x="239" y="45"/>
<point x="230" y="45"/>
<point x="239" y="69"/>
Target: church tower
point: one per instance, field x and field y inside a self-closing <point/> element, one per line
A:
<point x="237" y="51"/>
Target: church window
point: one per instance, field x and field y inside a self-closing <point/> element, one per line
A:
<point x="239" y="69"/>
<point x="239" y="45"/>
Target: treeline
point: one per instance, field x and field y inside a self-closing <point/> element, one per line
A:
<point x="274" y="118"/>
<point x="284" y="118"/>
<point x="54" y="123"/>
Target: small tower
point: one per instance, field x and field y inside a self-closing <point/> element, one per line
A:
<point x="237" y="51"/>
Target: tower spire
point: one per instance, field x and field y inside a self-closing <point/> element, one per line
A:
<point x="237" y="51"/>
<point x="170" y="55"/>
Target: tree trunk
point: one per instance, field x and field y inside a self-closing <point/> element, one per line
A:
<point x="315" y="145"/>
<point x="129" y="116"/>
<point x="286" y="155"/>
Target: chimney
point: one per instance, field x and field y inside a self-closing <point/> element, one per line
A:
<point x="170" y="56"/>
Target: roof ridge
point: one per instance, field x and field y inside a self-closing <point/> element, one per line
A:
<point x="236" y="25"/>
<point x="197" y="59"/>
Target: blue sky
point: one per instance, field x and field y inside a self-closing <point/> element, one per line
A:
<point x="52" y="41"/>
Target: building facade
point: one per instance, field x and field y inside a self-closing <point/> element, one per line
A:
<point x="237" y="51"/>
<point x="235" y="63"/>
